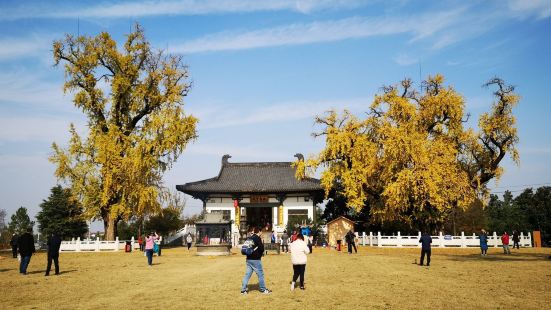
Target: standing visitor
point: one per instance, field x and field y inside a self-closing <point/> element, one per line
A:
<point x="273" y="238"/>
<point x="149" y="244"/>
<point x="54" y="243"/>
<point x="26" y="249"/>
<point x="284" y="241"/>
<point x="516" y="239"/>
<point x="505" y="242"/>
<point x="425" y="241"/>
<point x="483" y="243"/>
<point x="254" y="263"/>
<point x="189" y="240"/>
<point x="310" y="242"/>
<point x="140" y="243"/>
<point x="13" y="243"/>
<point x="299" y="250"/>
<point x="350" y="241"/>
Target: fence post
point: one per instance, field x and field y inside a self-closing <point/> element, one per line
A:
<point x="418" y="238"/>
<point x="463" y="245"/>
<point x="379" y="243"/>
<point x="116" y="243"/>
<point x="529" y="239"/>
<point x="370" y="238"/>
<point x="363" y="238"/>
<point x="495" y="240"/>
<point x="399" y="240"/>
<point x="441" y="238"/>
<point x="78" y="245"/>
<point x="132" y="240"/>
<point x="97" y="244"/>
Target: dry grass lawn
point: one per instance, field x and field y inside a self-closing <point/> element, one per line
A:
<point x="374" y="278"/>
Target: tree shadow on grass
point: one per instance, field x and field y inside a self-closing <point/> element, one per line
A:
<point x="515" y="257"/>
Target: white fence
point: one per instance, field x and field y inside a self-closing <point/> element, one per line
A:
<point x="442" y="241"/>
<point x="89" y="245"/>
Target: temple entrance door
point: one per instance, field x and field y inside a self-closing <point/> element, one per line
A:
<point x="259" y="215"/>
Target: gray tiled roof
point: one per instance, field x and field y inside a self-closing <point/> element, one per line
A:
<point x="260" y="177"/>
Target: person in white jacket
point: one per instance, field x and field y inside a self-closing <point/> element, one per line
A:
<point x="298" y="250"/>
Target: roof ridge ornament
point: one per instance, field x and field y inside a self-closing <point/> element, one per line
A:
<point x="299" y="156"/>
<point x="225" y="159"/>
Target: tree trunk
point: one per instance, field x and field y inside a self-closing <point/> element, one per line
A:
<point x="110" y="227"/>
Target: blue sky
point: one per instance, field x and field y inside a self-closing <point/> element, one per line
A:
<point x="261" y="71"/>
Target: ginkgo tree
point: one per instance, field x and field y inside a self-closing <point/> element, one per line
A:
<point x="411" y="159"/>
<point x="132" y="96"/>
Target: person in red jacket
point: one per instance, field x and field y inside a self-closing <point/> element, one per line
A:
<point x="505" y="242"/>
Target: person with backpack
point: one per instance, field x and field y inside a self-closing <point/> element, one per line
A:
<point x="149" y="244"/>
<point x="299" y="249"/>
<point x="189" y="240"/>
<point x="254" y="249"/>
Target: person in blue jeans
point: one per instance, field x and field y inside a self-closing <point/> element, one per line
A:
<point x="254" y="263"/>
<point x="26" y="250"/>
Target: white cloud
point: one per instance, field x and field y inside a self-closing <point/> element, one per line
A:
<point x="405" y="60"/>
<point x="221" y="116"/>
<point x="32" y="46"/>
<point x="420" y="26"/>
<point x="35" y="128"/>
<point x="31" y="88"/>
<point x="184" y="7"/>
<point x="539" y="8"/>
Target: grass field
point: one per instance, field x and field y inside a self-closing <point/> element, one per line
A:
<point x="374" y="278"/>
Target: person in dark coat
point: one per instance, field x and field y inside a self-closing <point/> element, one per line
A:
<point x="13" y="243"/>
<point x="54" y="243"/>
<point x="516" y="239"/>
<point x="425" y="241"/>
<point x="26" y="250"/>
<point x="350" y="239"/>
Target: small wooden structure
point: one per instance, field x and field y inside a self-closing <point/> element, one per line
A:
<point x="337" y="229"/>
<point x="213" y="235"/>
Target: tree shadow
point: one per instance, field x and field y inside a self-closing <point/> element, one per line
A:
<point x="514" y="257"/>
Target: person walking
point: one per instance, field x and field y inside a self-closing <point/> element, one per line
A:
<point x="13" y="243"/>
<point x="483" y="242"/>
<point x="349" y="238"/>
<point x="505" y="242"/>
<point x="189" y="240"/>
<point x="54" y="243"/>
<point x="299" y="250"/>
<point x="149" y="244"/>
<point x="284" y="242"/>
<point x="425" y="241"/>
<point x="26" y="249"/>
<point x="516" y="239"/>
<point x="253" y="263"/>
